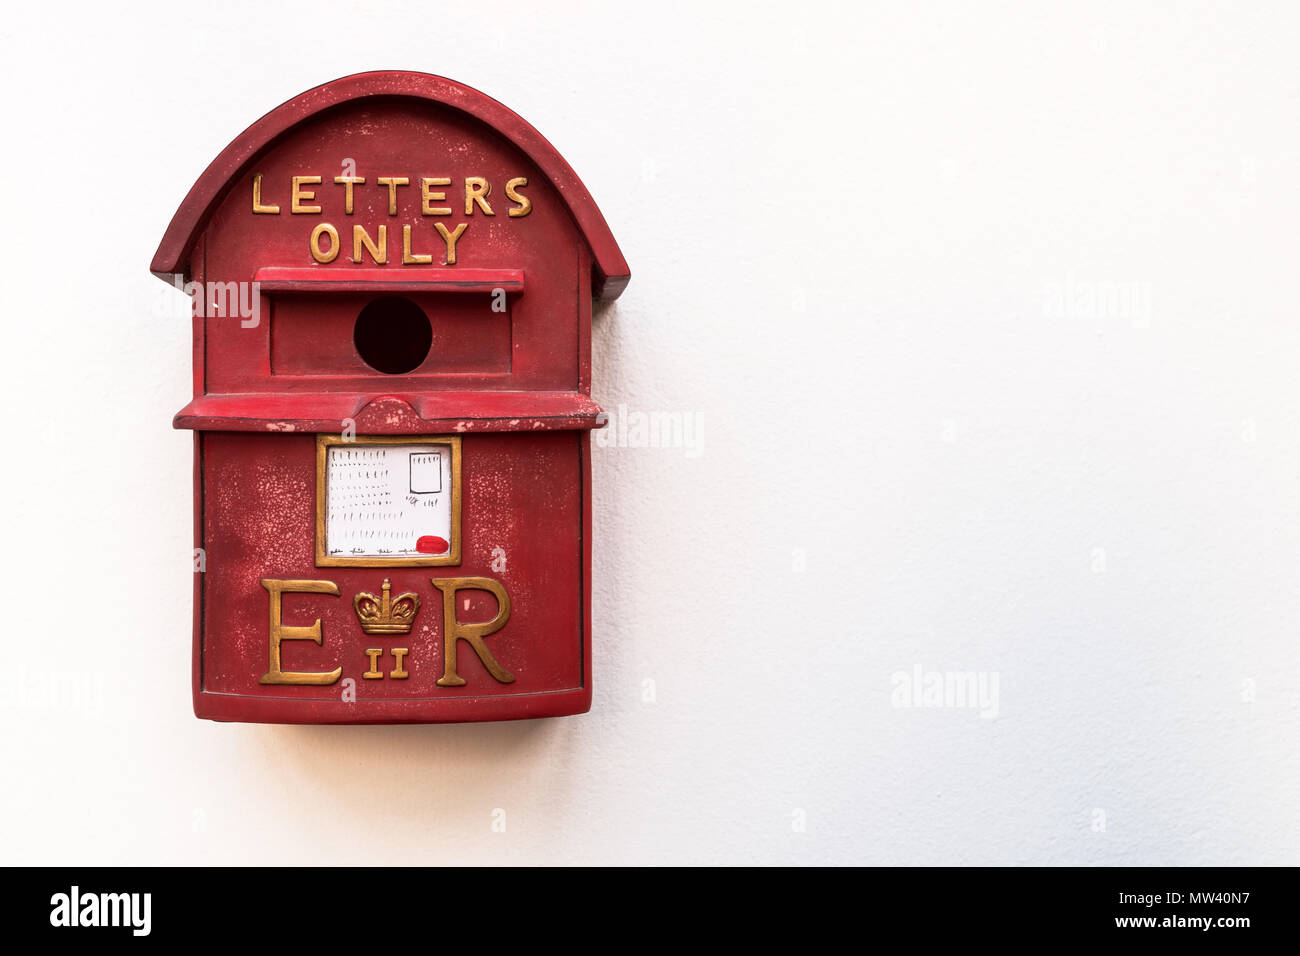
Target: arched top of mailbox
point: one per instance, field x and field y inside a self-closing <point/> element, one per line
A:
<point x="611" y="270"/>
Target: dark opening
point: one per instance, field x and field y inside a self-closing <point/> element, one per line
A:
<point x="393" y="335"/>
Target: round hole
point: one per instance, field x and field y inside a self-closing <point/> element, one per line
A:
<point x="393" y="335"/>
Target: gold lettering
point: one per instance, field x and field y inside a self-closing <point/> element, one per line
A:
<point x="450" y="238"/>
<point x="347" y="182"/>
<point x="429" y="196"/>
<point x="374" y="673"/>
<point x="300" y="195"/>
<point x="279" y="632"/>
<point x="258" y="206"/>
<point x="410" y="258"/>
<point x="512" y="192"/>
<point x="324" y="229"/>
<point x="392" y="182"/>
<point x="453" y="631"/>
<point x="362" y="238"/>
<point x="398" y="672"/>
<point x="476" y="191"/>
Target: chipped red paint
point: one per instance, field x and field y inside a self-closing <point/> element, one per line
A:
<point x="513" y="383"/>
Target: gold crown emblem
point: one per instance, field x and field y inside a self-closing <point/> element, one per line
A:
<point x="386" y="615"/>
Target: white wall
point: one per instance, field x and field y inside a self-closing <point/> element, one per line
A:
<point x="865" y="245"/>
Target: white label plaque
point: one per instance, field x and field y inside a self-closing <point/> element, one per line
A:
<point x="388" y="501"/>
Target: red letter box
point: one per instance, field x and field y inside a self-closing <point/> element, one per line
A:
<point x="392" y="278"/>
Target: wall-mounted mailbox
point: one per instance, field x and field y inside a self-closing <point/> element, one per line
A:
<point x="392" y="278"/>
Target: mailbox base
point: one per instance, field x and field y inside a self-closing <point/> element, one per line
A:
<point x="252" y="710"/>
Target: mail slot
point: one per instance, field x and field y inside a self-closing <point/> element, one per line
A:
<point x="392" y="279"/>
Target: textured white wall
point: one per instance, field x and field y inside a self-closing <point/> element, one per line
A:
<point x="871" y="250"/>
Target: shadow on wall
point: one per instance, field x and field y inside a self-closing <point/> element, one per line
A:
<point x="458" y="778"/>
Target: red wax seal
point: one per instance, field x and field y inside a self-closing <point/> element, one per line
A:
<point x="431" y="544"/>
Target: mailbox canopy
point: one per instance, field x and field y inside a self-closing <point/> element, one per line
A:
<point x="453" y="198"/>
